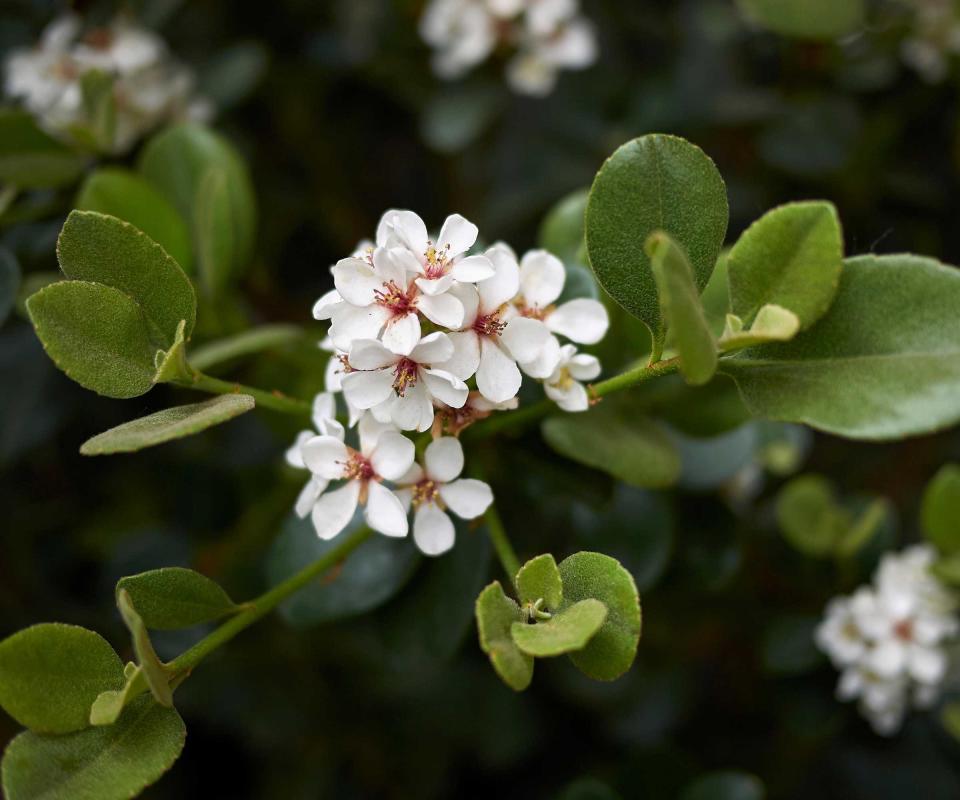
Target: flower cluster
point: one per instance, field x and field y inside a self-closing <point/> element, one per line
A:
<point x="888" y="639"/>
<point x="934" y="39"/>
<point x="427" y="336"/>
<point x="545" y="36"/>
<point x="148" y="86"/>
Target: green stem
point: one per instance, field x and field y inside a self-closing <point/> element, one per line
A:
<point x="265" y="603"/>
<point x="501" y="543"/>
<point x="274" y="400"/>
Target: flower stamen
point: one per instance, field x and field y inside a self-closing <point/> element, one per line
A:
<point x="395" y="299"/>
<point x="405" y="375"/>
<point x="489" y="325"/>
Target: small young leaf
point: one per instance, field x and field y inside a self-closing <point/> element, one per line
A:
<point x="611" y="651"/>
<point x="31" y="159"/>
<point x="496" y="613"/>
<point x="940" y="512"/>
<point x="109" y="705"/>
<point x="9" y="282"/>
<point x="809" y="516"/>
<point x="97" y="335"/>
<point x="115" y="762"/>
<point x="167" y="425"/>
<point x="772" y="324"/>
<point x="51" y="673"/>
<point x="790" y="257"/>
<point x="539" y="579"/>
<point x="807" y="19"/>
<point x="565" y="632"/>
<point x="101" y="248"/>
<point x="124" y="194"/>
<point x="727" y="785"/>
<point x="864" y="528"/>
<point x="155" y="674"/>
<point x="173" y="597"/>
<point x="171" y="364"/>
<point x="681" y="309"/>
<point x="653" y="183"/>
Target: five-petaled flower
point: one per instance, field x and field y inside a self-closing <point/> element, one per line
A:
<point x="564" y="385"/>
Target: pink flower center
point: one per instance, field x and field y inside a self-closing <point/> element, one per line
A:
<point x="426" y="491"/>
<point x="358" y="468"/>
<point x="904" y="630"/>
<point x="489" y="325"/>
<point x="396" y="300"/>
<point x="437" y="261"/>
<point x="100" y="38"/>
<point x="405" y="375"/>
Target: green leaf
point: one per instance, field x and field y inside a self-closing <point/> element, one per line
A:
<point x="940" y="512"/>
<point x="809" y="516"/>
<point x="653" y="183"/>
<point x="155" y="674"/>
<point x="807" y="19"/>
<point x="682" y="312"/>
<point x="947" y="569"/>
<point x="101" y="248"/>
<point x="727" y="785"/>
<point x="31" y="159"/>
<point x="566" y="631"/>
<point x="172" y="364"/>
<point x="611" y="651"/>
<point x="496" y="613"/>
<point x="97" y="335"/>
<point x="263" y="337"/>
<point x="109" y="705"/>
<point x="539" y="579"/>
<point x="9" y="282"/>
<point x="167" y="425"/>
<point x="124" y="194"/>
<point x="883" y="363"/>
<point x="115" y="762"/>
<point x="174" y="597"/>
<point x="950" y="717"/>
<point x="100" y="109"/>
<point x="864" y="528"/>
<point x="562" y="229"/>
<point x="219" y="204"/>
<point x="631" y="448"/>
<point x="790" y="257"/>
<point x="772" y="324"/>
<point x="51" y="673"/>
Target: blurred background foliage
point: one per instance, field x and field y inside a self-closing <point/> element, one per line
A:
<point x="335" y="109"/>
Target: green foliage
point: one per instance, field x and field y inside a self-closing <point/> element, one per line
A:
<point x="100" y="109"/>
<point x="790" y="257"/>
<point x="124" y="194"/>
<point x="97" y="335"/>
<point x="539" y="579"/>
<point x="940" y="512"/>
<point x="772" y="324"/>
<point x="496" y="614"/>
<point x="807" y="19"/>
<point x="562" y="229"/>
<point x="167" y="425"/>
<point x="206" y="180"/>
<point x="115" y="762"/>
<point x="950" y="717"/>
<point x="109" y="705"/>
<point x="882" y="364"/>
<point x="726" y="785"/>
<point x="611" y="651"/>
<point x="173" y="597"/>
<point x="155" y="674"/>
<point x="9" y="282"/>
<point x="31" y="159"/>
<point x="654" y="183"/>
<point x="566" y="631"/>
<point x="263" y="337"/>
<point x="681" y="309"/>
<point x="612" y="438"/>
<point x="51" y="673"/>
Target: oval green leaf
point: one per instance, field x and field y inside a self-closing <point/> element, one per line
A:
<point x="114" y="762"/>
<point x="31" y="159"/>
<point x="50" y="674"/>
<point x="611" y="651"/>
<point x="174" y="597"/>
<point x="539" y="579"/>
<point x="807" y="19"/>
<point x="653" y="183"/>
<point x="496" y="613"/>
<point x="940" y="512"/>
<point x="566" y="631"/>
<point x="97" y="335"/>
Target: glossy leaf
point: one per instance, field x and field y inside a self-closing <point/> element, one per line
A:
<point x="155" y="674"/>
<point x="565" y="632"/>
<point x="97" y="335"/>
<point x="539" y="579"/>
<point x="940" y="512"/>
<point x="653" y="183"/>
<point x="167" y="425"/>
<point x="882" y="364"/>
<point x="101" y="248"/>
<point x="791" y="257"/>
<point x="807" y="19"/>
<point x="681" y="309"/>
<point x="728" y="785"/>
<point x="809" y="516"/>
<point x="114" y="762"/>
<point x="9" y="282"/>
<point x="127" y="196"/>
<point x="51" y="673"/>
<point x="30" y="158"/>
<point x="496" y="613"/>
<point x="174" y="597"/>
<point x="611" y="651"/>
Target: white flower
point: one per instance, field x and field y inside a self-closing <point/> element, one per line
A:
<point x="462" y="32"/>
<point x="437" y="486"/>
<point x="384" y="454"/>
<point x="564" y="386"/>
<point x="491" y="342"/>
<point x="406" y="384"/>
<point x="325" y="423"/>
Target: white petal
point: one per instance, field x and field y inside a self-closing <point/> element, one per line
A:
<point x="349" y="322"/>
<point x="402" y="228"/>
<point x="355" y="281"/>
<point x="443" y="309"/>
<point x="469" y="298"/>
<point x="584" y="367"/>
<point x="466" y="355"/>
<point x="545" y="364"/>
<point x="384" y="512"/>
<point x="443" y="459"/>
<point x="368" y="389"/>
<point x="370" y="354"/>
<point x="887" y="659"/>
<point x="390" y="266"/>
<point x="324" y="408"/>
<point x="370" y="430"/>
<point x="504" y="284"/>
<point x="325" y="306"/>
<point x="413" y="411"/>
<point x="413" y="475"/>
<point x="405" y="496"/>
<point x="392" y="455"/>
<point x="541" y="278"/>
<point x="334" y="510"/>
<point x="401" y="334"/>
<point x="445" y="387"/>
<point x="293" y="455"/>
<point x="473" y="269"/>
<point x="457" y="235"/>
<point x="467" y="498"/>
<point x="325" y="456"/>
<point x="498" y="378"/>
<point x="573" y="397"/>
<point x="435" y="286"/>
<point x="582" y="320"/>
<point x="927" y="664"/>
<point x="308" y="496"/>
<point x="525" y="338"/>
<point x="433" y="530"/>
<point x="434" y="348"/>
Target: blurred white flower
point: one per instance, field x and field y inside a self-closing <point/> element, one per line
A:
<point x="934" y="39"/>
<point x="325" y="423"/>
<point x="564" y="386"/>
